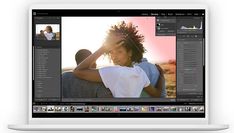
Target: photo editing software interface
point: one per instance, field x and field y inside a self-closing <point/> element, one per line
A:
<point x="118" y="63"/>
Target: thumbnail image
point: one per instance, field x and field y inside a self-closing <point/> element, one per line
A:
<point x="47" y="32"/>
<point x="117" y="57"/>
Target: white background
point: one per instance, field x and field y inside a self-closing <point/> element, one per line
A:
<point x="13" y="58"/>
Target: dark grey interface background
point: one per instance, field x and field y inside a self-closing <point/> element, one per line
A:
<point x="47" y="64"/>
<point x="189" y="32"/>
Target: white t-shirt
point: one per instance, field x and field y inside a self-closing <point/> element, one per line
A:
<point x="124" y="81"/>
<point x="49" y="36"/>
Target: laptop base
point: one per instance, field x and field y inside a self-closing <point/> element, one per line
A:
<point x="37" y="127"/>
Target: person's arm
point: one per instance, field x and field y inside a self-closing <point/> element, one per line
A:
<point x="83" y="70"/>
<point x="152" y="91"/>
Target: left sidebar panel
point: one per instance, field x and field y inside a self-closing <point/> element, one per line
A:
<point x="46" y="58"/>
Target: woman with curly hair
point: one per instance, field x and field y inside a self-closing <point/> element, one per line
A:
<point x="124" y="46"/>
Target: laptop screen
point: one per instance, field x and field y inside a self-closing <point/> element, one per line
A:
<point x="118" y="63"/>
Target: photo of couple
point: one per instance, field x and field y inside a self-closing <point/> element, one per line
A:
<point x="47" y="32"/>
<point x="131" y="75"/>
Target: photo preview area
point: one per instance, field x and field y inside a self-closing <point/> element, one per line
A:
<point x="90" y="33"/>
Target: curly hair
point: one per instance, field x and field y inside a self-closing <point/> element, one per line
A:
<point x="133" y="40"/>
<point x="49" y="28"/>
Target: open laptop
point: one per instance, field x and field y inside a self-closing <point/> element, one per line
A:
<point x="175" y="39"/>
